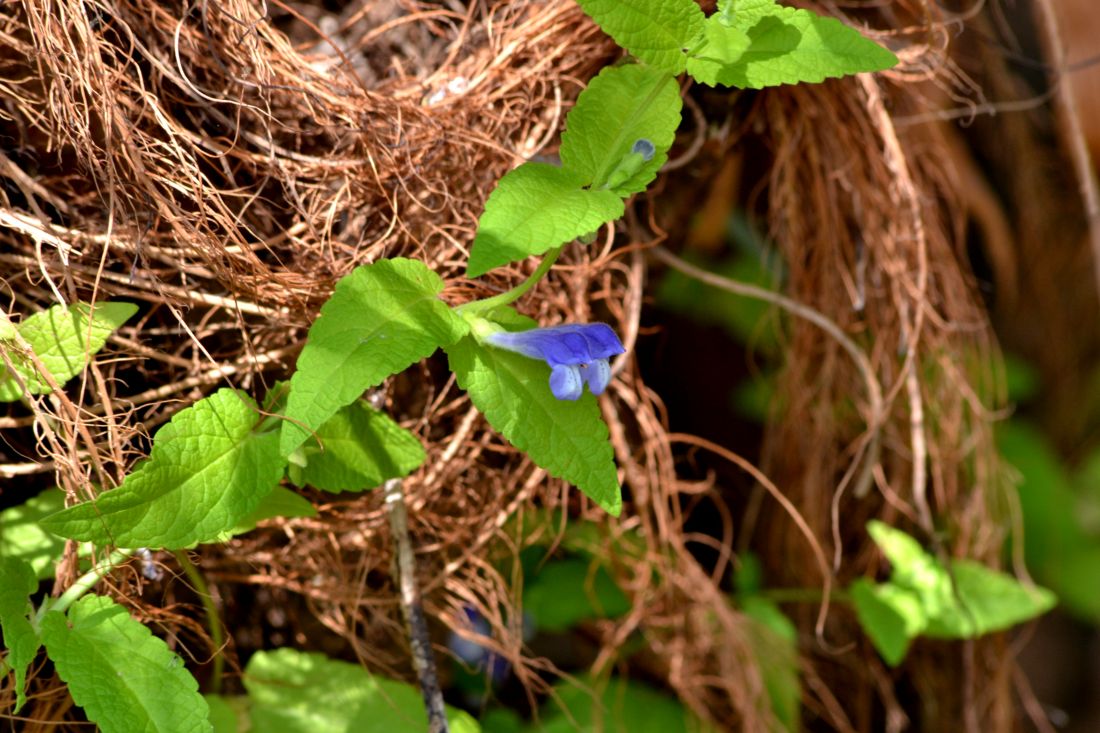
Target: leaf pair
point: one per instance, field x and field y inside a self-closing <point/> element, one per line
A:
<point x="381" y="319"/>
<point x="747" y="43"/>
<point x="386" y="316"/>
<point x="538" y="206"/>
<point x="925" y="597"/>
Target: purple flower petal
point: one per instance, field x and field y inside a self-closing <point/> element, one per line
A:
<point x="573" y="343"/>
<point x="577" y="354"/>
<point x="566" y="382"/>
<point x="597" y="375"/>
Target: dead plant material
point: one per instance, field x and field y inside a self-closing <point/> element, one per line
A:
<point x="223" y="163"/>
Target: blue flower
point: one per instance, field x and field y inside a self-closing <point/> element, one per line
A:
<point x="577" y="354"/>
<point x="477" y="655"/>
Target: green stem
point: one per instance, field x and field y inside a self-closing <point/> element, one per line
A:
<point x="213" y="624"/>
<point x="510" y="296"/>
<point x="83" y="584"/>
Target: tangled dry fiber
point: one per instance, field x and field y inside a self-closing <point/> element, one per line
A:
<point x="223" y="162"/>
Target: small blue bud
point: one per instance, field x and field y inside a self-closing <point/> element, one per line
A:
<point x="644" y="148"/>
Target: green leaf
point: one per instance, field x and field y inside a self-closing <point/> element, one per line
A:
<point x="209" y="468"/>
<point x="17" y="583"/>
<point x="1047" y="498"/>
<point x="279" y="503"/>
<point x="913" y="568"/>
<point x="720" y="47"/>
<point x="656" y="31"/>
<point x="380" y="319"/>
<point x="987" y="600"/>
<point x="534" y="208"/>
<point x="765" y="611"/>
<point x="125" y="678"/>
<point x="774" y="642"/>
<point x="21" y="535"/>
<point x="567" y="592"/>
<point x="746" y="319"/>
<point x="622" y="105"/>
<point x="7" y="328"/>
<point x="891" y="616"/>
<point x="568" y="439"/>
<point x="925" y="597"/>
<point x="227" y="714"/>
<point x="784" y="46"/>
<point x="357" y="449"/>
<point x="1078" y="590"/>
<point x="502" y="720"/>
<point x="300" y="692"/>
<point x="64" y="340"/>
<point x="618" y="706"/>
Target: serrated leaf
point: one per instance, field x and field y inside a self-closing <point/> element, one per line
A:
<point x="302" y="692"/>
<point x="17" y="583"/>
<point x="64" y="340"/>
<point x="656" y="31"/>
<point x="568" y="439"/>
<point x="534" y="208"/>
<point x="380" y="319"/>
<point x="891" y="617"/>
<point x="357" y="449"/>
<point x="784" y="46"/>
<point x="985" y="601"/>
<point x="209" y="468"/>
<point x="566" y="592"/>
<point x="21" y="535"/>
<point x="621" y="105"/>
<point x="125" y="678"/>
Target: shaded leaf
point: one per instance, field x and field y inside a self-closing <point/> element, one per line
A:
<point x="358" y="448"/>
<point x="567" y="592"/>
<point x="784" y="46"/>
<point x="279" y="503"/>
<point x="892" y="617"/>
<point x="21" y="535"/>
<point x="227" y="714"/>
<point x="774" y="642"/>
<point x="301" y="692"/>
<point x="617" y="705"/>
<point x="17" y="583"/>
